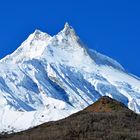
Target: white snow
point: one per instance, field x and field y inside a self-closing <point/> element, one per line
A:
<point x="49" y="78"/>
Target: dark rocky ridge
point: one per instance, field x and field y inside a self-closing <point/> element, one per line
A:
<point x="106" y="119"/>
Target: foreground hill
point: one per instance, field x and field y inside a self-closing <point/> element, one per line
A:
<point x="106" y="119"/>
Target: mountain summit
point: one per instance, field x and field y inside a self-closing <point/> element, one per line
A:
<point x="51" y="77"/>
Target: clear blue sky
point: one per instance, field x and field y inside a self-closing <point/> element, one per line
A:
<point x="111" y="27"/>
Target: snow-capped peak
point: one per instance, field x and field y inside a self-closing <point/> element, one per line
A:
<point x="68" y="33"/>
<point x="32" y="47"/>
<point x="40" y="35"/>
<point x="56" y="76"/>
<point x="67" y="25"/>
<point x="67" y="29"/>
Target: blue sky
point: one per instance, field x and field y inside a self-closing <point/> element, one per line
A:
<point x="110" y="27"/>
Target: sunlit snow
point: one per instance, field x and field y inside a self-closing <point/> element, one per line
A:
<point x="51" y="77"/>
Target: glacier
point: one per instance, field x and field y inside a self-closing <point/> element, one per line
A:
<point x="51" y="77"/>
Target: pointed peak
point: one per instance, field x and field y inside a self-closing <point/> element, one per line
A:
<point x="67" y="31"/>
<point x="38" y="34"/>
<point x="37" y="31"/>
<point x="67" y="26"/>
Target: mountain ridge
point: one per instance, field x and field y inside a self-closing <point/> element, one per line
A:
<point x="47" y="75"/>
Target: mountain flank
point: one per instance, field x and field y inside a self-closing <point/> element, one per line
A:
<point x="53" y="77"/>
<point x="106" y="119"/>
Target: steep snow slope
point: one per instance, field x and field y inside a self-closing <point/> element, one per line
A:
<point x="48" y="78"/>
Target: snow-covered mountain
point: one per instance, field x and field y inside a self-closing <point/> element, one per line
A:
<point x="50" y="77"/>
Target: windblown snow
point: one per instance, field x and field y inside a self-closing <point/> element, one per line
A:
<point x="51" y="77"/>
